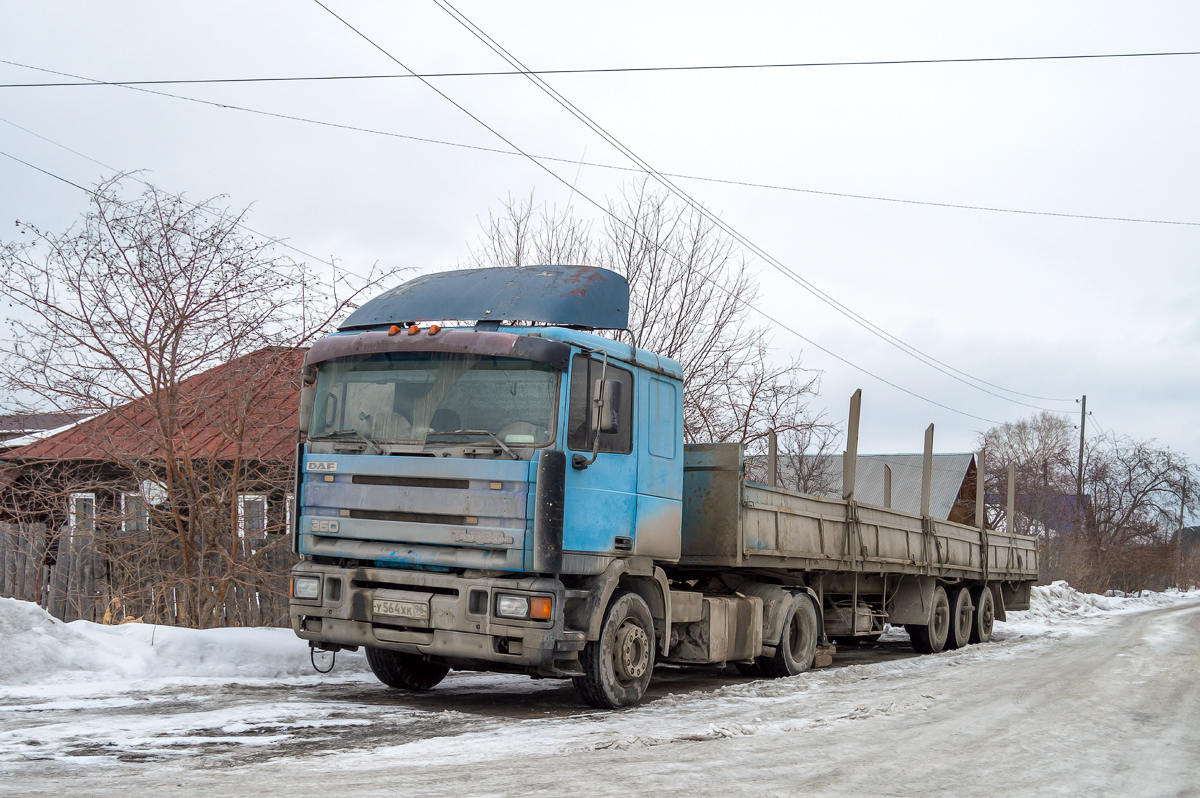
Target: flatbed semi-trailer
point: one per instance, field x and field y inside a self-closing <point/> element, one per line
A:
<point x="516" y="496"/>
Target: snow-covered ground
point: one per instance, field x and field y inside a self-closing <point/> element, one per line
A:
<point x="1082" y="694"/>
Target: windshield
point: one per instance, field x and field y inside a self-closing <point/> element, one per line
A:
<point x="414" y="397"/>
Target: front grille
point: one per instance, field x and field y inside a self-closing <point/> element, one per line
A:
<point x="415" y="518"/>
<point x="372" y="584"/>
<point x="411" y="482"/>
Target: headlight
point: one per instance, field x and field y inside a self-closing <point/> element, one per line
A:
<point x="512" y="606"/>
<point x="306" y="587"/>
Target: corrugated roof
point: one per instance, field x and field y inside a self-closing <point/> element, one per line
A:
<point x="949" y="472"/>
<point x="258" y="392"/>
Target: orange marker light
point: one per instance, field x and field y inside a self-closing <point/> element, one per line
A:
<point x="393" y="330"/>
<point x="413" y="330"/>
<point x="539" y="608"/>
<point x="433" y="330"/>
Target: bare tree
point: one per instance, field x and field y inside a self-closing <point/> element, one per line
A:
<point x="1040" y="447"/>
<point x="690" y="299"/>
<point x="1132" y="491"/>
<point x="124" y="314"/>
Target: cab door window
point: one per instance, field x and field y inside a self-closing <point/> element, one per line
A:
<point x="585" y="373"/>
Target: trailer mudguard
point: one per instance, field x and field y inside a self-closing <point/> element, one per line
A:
<point x="911" y="602"/>
<point x="776" y="599"/>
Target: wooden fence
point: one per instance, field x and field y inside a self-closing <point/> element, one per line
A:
<point x="69" y="577"/>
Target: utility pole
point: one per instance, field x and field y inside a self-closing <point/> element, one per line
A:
<point x="1079" y="484"/>
<point x="1045" y="522"/>
<point x="1179" y="539"/>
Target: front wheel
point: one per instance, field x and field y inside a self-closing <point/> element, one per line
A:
<point x="404" y="671"/>
<point x="617" y="667"/>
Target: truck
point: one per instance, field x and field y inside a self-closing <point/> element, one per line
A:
<point x="487" y="482"/>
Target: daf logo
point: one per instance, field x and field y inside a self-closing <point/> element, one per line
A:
<point x="324" y="525"/>
<point x="321" y="465"/>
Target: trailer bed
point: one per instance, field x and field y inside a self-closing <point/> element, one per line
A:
<point x="729" y="521"/>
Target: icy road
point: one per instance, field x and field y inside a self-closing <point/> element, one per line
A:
<point x="1080" y="696"/>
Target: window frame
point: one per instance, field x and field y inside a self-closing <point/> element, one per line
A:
<point x="242" y="498"/>
<point x="125" y="514"/>
<point x="73" y="514"/>
<point x="627" y="404"/>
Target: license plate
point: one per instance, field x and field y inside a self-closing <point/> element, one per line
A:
<point x="402" y="609"/>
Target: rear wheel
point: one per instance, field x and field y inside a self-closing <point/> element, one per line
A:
<point x="798" y="644"/>
<point x="930" y="638"/>
<point x="962" y="617"/>
<point x="404" y="671"/>
<point x="985" y="614"/>
<point x="617" y="667"/>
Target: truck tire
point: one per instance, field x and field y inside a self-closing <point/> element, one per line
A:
<point x="985" y="614"/>
<point x="404" y="671"/>
<point x="798" y="644"/>
<point x="962" y="618"/>
<point x="617" y="667"/>
<point x="931" y="638"/>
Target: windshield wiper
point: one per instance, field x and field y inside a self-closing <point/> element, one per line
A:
<point x="341" y="433"/>
<point x="491" y="435"/>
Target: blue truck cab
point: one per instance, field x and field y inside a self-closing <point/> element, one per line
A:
<point x="474" y="495"/>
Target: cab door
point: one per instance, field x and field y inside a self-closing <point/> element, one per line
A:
<point x="601" y="500"/>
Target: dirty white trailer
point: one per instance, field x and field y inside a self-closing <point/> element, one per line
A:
<point x="861" y="566"/>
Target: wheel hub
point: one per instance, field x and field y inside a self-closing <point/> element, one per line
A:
<point x="632" y="655"/>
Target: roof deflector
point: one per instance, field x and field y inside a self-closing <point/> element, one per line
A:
<point x="576" y="296"/>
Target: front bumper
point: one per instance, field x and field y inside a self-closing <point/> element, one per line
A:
<point x="461" y="629"/>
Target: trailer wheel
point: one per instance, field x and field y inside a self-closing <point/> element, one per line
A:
<point x="985" y="614"/>
<point x="798" y="646"/>
<point x="404" y="671"/>
<point x="617" y="667"/>
<point x="962" y="618"/>
<point x="931" y="638"/>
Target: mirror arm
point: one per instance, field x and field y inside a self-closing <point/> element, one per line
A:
<point x="579" y="462"/>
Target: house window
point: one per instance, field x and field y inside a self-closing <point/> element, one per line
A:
<point x="135" y="514"/>
<point x="81" y="514"/>
<point x="252" y="515"/>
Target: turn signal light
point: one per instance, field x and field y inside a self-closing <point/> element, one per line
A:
<point x="539" y="608"/>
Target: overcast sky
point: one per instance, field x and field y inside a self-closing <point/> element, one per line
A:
<point x="1044" y="305"/>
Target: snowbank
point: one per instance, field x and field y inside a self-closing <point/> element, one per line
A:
<point x="1059" y="601"/>
<point x="40" y="648"/>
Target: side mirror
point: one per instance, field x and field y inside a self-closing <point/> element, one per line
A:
<point x="606" y="401"/>
<point x="308" y="399"/>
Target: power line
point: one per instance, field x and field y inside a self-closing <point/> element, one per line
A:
<point x="600" y="70"/>
<point x="717" y="221"/>
<point x="614" y="167"/>
<point x="93" y="193"/>
<point x="617" y="219"/>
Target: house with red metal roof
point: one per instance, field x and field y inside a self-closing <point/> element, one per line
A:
<point x="185" y="490"/>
